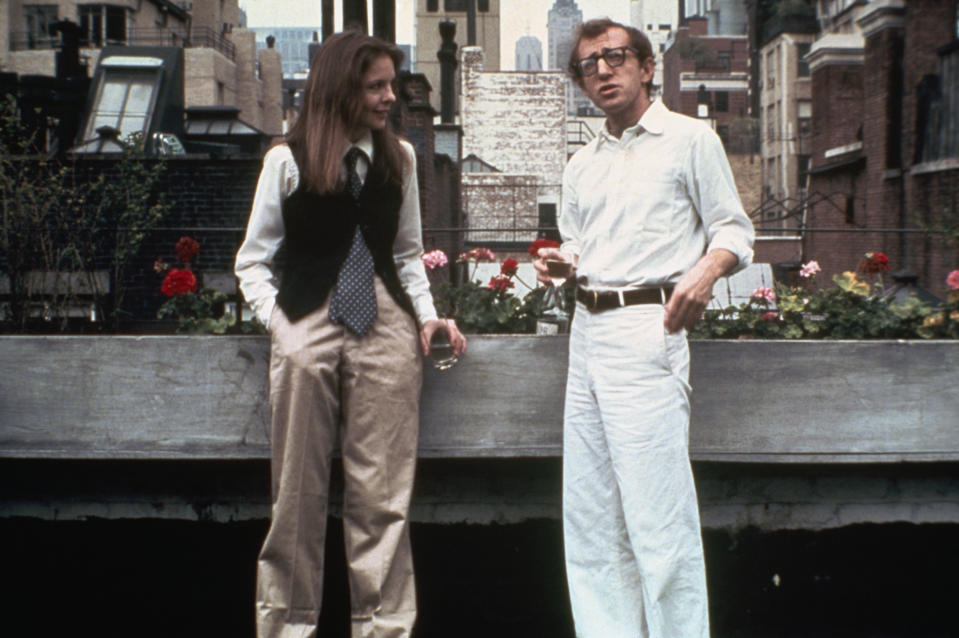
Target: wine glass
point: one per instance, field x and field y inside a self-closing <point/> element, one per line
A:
<point x="441" y="350"/>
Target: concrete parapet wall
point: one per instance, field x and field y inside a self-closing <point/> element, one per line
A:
<point x="784" y="435"/>
<point x="206" y="398"/>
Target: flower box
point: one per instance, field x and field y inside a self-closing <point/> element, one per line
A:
<point x="193" y="397"/>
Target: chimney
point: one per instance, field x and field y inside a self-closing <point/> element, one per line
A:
<point x="447" y="56"/>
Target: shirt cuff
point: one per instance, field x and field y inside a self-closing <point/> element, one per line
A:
<point x="738" y="247"/>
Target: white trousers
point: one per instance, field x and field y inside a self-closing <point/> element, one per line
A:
<point x="634" y="556"/>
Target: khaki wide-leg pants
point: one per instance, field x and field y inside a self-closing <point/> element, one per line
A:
<point x="324" y="379"/>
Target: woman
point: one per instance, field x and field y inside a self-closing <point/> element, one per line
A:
<point x="341" y="197"/>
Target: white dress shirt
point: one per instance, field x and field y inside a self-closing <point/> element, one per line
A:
<point x="642" y="209"/>
<point x="278" y="180"/>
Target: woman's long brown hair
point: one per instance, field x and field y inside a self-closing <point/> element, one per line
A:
<point x="332" y="107"/>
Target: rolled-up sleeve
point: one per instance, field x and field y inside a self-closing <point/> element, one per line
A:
<point x="569" y="222"/>
<point x="254" y="265"/>
<point x="712" y="189"/>
<point x="408" y="245"/>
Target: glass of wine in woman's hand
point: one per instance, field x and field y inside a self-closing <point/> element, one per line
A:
<point x="441" y="350"/>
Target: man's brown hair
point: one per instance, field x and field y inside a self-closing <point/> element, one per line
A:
<point x="596" y="28"/>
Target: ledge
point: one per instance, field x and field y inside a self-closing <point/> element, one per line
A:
<point x="935" y="166"/>
<point x="754" y="401"/>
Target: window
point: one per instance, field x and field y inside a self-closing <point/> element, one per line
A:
<point x="432" y="5"/>
<point x="770" y="69"/>
<point x="804" y="116"/>
<point x="850" y="210"/>
<point x="802" y="67"/>
<point x="39" y="18"/>
<point x="547" y="221"/>
<point x="802" y="170"/>
<point x="482" y="6"/>
<point x="102" y="23"/>
<point x="125" y="101"/>
<point x="721" y="101"/>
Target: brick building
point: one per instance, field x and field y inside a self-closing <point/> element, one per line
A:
<point x="437" y="163"/>
<point x="885" y="154"/>
<point x="707" y="77"/>
<point x="514" y="124"/>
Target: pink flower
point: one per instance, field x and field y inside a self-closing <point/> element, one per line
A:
<point x="770" y="316"/>
<point x="764" y="294"/>
<point x="435" y="259"/>
<point x="953" y="280"/>
<point x="810" y="269"/>
<point x="477" y="255"/>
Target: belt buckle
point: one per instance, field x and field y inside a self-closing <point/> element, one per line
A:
<point x="595" y="299"/>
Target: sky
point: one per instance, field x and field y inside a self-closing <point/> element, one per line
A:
<point x="517" y="18"/>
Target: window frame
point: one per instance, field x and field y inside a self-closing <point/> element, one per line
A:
<point x="131" y="75"/>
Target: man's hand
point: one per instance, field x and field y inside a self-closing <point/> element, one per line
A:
<point x="457" y="340"/>
<point x="695" y="289"/>
<point x="552" y="253"/>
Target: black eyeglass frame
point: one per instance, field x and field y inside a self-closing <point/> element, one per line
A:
<point x="596" y="57"/>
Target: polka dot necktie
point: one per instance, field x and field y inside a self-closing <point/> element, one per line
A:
<point x="354" y="299"/>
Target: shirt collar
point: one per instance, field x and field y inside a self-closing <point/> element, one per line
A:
<point x="365" y="144"/>
<point x="652" y="121"/>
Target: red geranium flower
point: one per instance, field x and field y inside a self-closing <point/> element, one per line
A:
<point x="499" y="282"/>
<point x="178" y="282"/>
<point x="874" y="263"/>
<point x="509" y="267"/>
<point x="186" y="249"/>
<point x="541" y="243"/>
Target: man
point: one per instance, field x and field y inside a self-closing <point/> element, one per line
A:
<point x="651" y="219"/>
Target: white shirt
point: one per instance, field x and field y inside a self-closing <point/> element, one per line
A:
<point x="264" y="234"/>
<point x="641" y="210"/>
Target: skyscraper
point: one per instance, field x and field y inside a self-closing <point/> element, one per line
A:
<point x="561" y="20"/>
<point x="560" y="23"/>
<point x="529" y="54"/>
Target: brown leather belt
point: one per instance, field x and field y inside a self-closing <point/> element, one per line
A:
<point x="596" y="300"/>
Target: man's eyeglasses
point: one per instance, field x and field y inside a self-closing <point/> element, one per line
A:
<point x="614" y="57"/>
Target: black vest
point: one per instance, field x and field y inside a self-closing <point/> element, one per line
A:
<point x="318" y="232"/>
